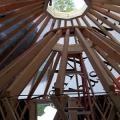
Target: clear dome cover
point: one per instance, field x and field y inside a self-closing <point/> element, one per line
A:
<point x="67" y="9"/>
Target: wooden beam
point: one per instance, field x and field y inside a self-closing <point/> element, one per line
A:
<point x="53" y="24"/>
<point x="11" y="6"/>
<point x="24" y="25"/>
<point x="102" y="28"/>
<point x="78" y="21"/>
<point x="8" y="73"/>
<point x="107" y="40"/>
<point x="51" y="74"/>
<point x="37" y="82"/>
<point x="72" y="49"/>
<point x="107" y="13"/>
<point x="113" y="2"/>
<point x="109" y="7"/>
<point x="113" y="63"/>
<point x="104" y="20"/>
<point x="23" y="78"/>
<point x="8" y="52"/>
<point x="60" y="102"/>
<point x="99" y="68"/>
<point x="20" y="17"/>
<point x="18" y="12"/>
<point x="59" y="86"/>
<point x="111" y="52"/>
<point x="86" y="22"/>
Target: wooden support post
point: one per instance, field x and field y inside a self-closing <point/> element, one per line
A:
<point x="73" y="113"/>
<point x="33" y="110"/>
<point x="60" y="102"/>
<point x="85" y="79"/>
<point x="111" y="115"/>
<point x="59" y="86"/>
<point x="99" y="68"/>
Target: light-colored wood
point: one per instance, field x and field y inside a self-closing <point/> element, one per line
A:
<point x="72" y="49"/>
<point x="109" y="7"/>
<point x="17" y="12"/>
<point x="111" y="52"/>
<point x="103" y="29"/>
<point x="17" y="65"/>
<point x="104" y="20"/>
<point x="92" y="55"/>
<point x="72" y="113"/>
<point x="113" y="44"/>
<point x="20" y="17"/>
<point x="60" y="103"/>
<point x="99" y="68"/>
<point x="62" y="68"/>
<point x="114" y="2"/>
<point x="22" y="26"/>
<point x="113" y="63"/>
<point x="23" y="78"/>
<point x="8" y="6"/>
<point x="107" y="13"/>
<point x="23" y="38"/>
<point x="37" y="82"/>
<point x="18" y="73"/>
<point x="86" y="22"/>
<point x="78" y="21"/>
<point x="51" y="74"/>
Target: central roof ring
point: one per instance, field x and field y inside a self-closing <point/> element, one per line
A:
<point x="68" y="9"/>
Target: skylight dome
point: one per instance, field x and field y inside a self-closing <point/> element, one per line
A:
<point x="67" y="9"/>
